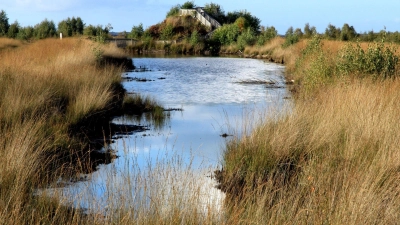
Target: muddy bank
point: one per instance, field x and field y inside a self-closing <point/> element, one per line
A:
<point x="95" y="131"/>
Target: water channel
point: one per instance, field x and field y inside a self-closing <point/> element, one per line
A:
<point x="216" y="95"/>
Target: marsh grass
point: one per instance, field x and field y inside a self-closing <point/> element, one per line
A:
<point x="46" y="88"/>
<point x="331" y="160"/>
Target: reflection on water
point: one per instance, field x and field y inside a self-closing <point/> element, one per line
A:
<point x="214" y="100"/>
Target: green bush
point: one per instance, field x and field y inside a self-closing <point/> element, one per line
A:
<point x="377" y="60"/>
<point x="266" y="35"/>
<point x="314" y="65"/>
<point x="174" y="11"/>
<point x="227" y="34"/>
<point x="167" y="32"/>
<point x="247" y="38"/>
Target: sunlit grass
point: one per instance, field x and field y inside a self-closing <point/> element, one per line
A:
<point x="332" y="160"/>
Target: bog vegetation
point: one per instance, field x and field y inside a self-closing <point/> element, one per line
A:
<point x="332" y="158"/>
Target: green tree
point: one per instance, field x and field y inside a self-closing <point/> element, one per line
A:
<point x="215" y="11"/>
<point x="65" y="28"/>
<point x="45" y="29"/>
<point x="309" y="31"/>
<point x="348" y="33"/>
<point x="267" y="33"/>
<point x="331" y="32"/>
<point x="73" y="25"/>
<point x="242" y="23"/>
<point x="298" y="32"/>
<point x="4" y="25"/>
<point x="79" y="25"/>
<point x="252" y="21"/>
<point x="291" y="37"/>
<point x="137" y="32"/>
<point x="26" y="33"/>
<point x="188" y="5"/>
<point x="13" y="30"/>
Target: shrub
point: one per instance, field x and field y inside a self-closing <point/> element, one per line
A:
<point x="266" y="35"/>
<point x="314" y="65"/>
<point x="174" y="11"/>
<point x="248" y="37"/>
<point x="167" y="32"/>
<point x="227" y="34"/>
<point x="377" y="60"/>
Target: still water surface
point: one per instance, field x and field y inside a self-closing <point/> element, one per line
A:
<point x="214" y="98"/>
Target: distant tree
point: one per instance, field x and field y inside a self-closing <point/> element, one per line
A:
<point x="137" y="32"/>
<point x="309" y="31"/>
<point x="290" y="37"/>
<point x="4" y="25"/>
<point x="252" y="21"/>
<point x="298" y="32"/>
<point x="97" y="33"/>
<point x="13" y="30"/>
<point x="216" y="11"/>
<point x="333" y="33"/>
<point x="267" y="33"/>
<point x="26" y="33"/>
<point x="79" y="25"/>
<point x="188" y="5"/>
<point x="45" y="29"/>
<point x="73" y="25"/>
<point x="348" y="33"/>
<point x="65" y="27"/>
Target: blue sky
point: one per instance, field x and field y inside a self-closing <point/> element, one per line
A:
<point x="364" y="15"/>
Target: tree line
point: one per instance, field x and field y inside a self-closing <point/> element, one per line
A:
<point x="47" y="29"/>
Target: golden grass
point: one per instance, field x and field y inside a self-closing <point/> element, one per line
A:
<point x="9" y="43"/>
<point x="333" y="159"/>
<point x="46" y="87"/>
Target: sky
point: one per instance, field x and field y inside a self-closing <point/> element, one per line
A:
<point x="363" y="15"/>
